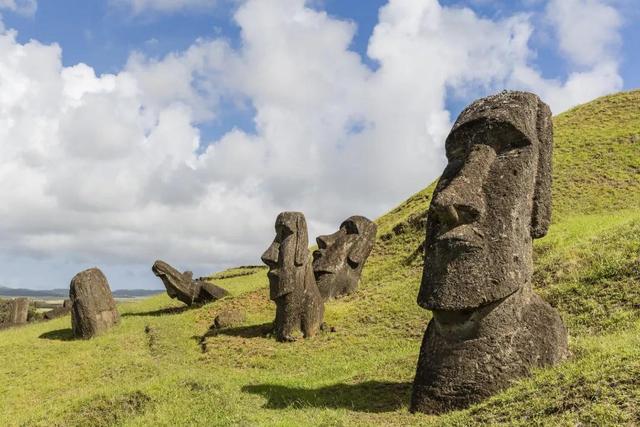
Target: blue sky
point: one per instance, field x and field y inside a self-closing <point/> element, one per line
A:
<point x="192" y="123"/>
<point x="103" y="35"/>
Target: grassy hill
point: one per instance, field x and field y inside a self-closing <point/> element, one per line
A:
<point x="161" y="367"/>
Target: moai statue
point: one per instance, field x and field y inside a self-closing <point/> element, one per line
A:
<point x="183" y="287"/>
<point x="338" y="262"/>
<point x="292" y="286"/>
<point x="493" y="198"/>
<point x="93" y="309"/>
<point x="19" y="311"/>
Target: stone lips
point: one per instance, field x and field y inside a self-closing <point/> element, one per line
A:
<point x="493" y="198"/>
<point x="93" y="309"/>
<point x="292" y="285"/>
<point x="340" y="257"/>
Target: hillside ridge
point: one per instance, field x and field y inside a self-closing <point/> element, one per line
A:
<point x="163" y="366"/>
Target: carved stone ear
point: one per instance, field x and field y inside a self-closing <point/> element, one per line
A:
<point x="541" y="213"/>
<point x="302" y="240"/>
<point x="361" y="249"/>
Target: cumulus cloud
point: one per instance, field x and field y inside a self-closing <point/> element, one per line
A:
<point x="588" y="30"/>
<point x="113" y="169"/>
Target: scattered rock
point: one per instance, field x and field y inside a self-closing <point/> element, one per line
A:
<point x="57" y="312"/>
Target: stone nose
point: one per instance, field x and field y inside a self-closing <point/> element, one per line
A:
<point x="270" y="256"/>
<point x="326" y="240"/>
<point x="461" y="200"/>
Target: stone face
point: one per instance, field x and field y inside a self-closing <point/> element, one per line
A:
<point x="183" y="287"/>
<point x="19" y="311"/>
<point x="492" y="200"/>
<point x="93" y="309"/>
<point x="292" y="285"/>
<point x="338" y="261"/>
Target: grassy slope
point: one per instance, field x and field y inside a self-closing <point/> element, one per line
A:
<point x="154" y="370"/>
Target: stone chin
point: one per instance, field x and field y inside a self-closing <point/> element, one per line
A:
<point x="459" y="277"/>
<point x="334" y="281"/>
<point x="325" y="278"/>
<point x="329" y="280"/>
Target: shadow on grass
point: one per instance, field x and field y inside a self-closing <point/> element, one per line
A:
<point x="58" y="335"/>
<point x="161" y="312"/>
<point x="370" y="396"/>
<point x="253" y="331"/>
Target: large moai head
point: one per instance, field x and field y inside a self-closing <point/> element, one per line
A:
<point x="338" y="261"/>
<point x="492" y="199"/>
<point x="287" y="256"/>
<point x="177" y="284"/>
<point x="181" y="286"/>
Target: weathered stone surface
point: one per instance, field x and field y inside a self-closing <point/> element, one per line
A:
<point x="229" y="318"/>
<point x="93" y="309"/>
<point x="292" y="285"/>
<point x="493" y="198"/>
<point x="19" y="311"/>
<point x="183" y="287"/>
<point x="340" y="257"/>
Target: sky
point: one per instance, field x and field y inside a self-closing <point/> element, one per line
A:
<point x="136" y="130"/>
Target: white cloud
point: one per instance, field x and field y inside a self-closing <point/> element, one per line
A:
<point x="112" y="170"/>
<point x="23" y="7"/>
<point x="162" y="6"/>
<point x="588" y="30"/>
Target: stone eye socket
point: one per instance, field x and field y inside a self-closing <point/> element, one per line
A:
<point x="507" y="143"/>
<point x="451" y="170"/>
<point x="350" y="227"/>
<point x="282" y="232"/>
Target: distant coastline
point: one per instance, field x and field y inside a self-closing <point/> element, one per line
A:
<point x="64" y="293"/>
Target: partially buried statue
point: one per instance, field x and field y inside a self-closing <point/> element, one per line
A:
<point x="18" y="311"/>
<point x="93" y="309"/>
<point x="291" y="283"/>
<point x="493" y="198"/>
<point x="338" y="262"/>
<point x="183" y="287"/>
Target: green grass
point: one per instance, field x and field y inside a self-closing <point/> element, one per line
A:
<point x="241" y="279"/>
<point x="596" y="156"/>
<point x="160" y="366"/>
